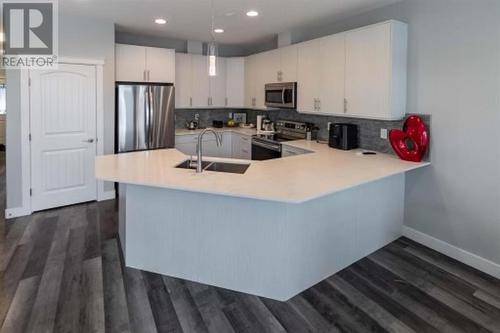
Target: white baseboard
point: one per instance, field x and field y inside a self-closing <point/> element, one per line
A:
<point x="107" y="195"/>
<point x="468" y="258"/>
<point x="11" y="213"/>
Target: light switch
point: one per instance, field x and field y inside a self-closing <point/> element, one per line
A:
<point x="383" y="133"/>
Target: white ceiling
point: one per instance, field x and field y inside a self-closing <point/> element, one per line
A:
<point x="191" y="19"/>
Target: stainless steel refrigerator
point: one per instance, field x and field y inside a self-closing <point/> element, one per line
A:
<point x="144" y="116"/>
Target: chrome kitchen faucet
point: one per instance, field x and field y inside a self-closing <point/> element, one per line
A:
<point x="199" y="150"/>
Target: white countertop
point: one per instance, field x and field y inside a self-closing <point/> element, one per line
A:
<point x="294" y="179"/>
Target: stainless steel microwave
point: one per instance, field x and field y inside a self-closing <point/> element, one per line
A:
<point x="281" y="95"/>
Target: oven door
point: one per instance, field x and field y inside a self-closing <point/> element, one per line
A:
<point x="263" y="150"/>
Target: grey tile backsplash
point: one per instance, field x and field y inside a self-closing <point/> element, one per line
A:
<point x="369" y="129"/>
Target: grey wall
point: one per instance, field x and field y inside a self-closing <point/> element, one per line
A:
<point x="142" y="40"/>
<point x="13" y="141"/>
<point x="81" y="38"/>
<point x="181" y="45"/>
<point x="454" y="75"/>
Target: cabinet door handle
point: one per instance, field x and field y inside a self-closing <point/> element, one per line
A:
<point x="148" y="74"/>
<point x="144" y="75"/>
<point x="319" y="104"/>
<point x="190" y="101"/>
<point x="225" y="101"/>
<point x="345" y="105"/>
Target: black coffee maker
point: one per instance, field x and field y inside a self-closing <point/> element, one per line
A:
<point x="343" y="136"/>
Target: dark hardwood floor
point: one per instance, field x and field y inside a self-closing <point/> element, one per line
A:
<point x="62" y="271"/>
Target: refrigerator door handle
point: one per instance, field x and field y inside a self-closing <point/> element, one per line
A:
<point x="149" y="95"/>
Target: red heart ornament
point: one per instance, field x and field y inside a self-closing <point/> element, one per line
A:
<point x="415" y="131"/>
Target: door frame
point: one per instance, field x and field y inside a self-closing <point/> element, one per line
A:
<point x="102" y="194"/>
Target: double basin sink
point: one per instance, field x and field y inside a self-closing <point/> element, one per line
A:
<point x="238" y="168"/>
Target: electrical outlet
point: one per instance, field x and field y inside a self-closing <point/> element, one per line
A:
<point x="328" y="125"/>
<point x="230" y="115"/>
<point x="383" y="133"/>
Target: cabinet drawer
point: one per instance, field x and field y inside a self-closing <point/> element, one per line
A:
<point x="189" y="138"/>
<point x="186" y="138"/>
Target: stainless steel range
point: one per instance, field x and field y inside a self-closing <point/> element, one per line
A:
<point x="268" y="146"/>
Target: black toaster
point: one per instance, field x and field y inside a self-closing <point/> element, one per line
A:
<point x="343" y="136"/>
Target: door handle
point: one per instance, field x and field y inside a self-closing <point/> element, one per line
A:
<point x="88" y="140"/>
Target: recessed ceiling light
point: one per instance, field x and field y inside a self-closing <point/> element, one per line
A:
<point x="218" y="30"/>
<point x="160" y="21"/>
<point x="252" y="13"/>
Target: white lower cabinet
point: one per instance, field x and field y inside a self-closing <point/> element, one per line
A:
<point x="187" y="145"/>
<point x="241" y="146"/>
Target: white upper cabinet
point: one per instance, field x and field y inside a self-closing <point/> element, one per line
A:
<point x="320" y="75"/>
<point x="130" y="63"/>
<point x="278" y="65"/>
<point x="218" y="85"/>
<point x="250" y="81"/>
<point x="264" y="73"/>
<point x="375" y="81"/>
<point x="194" y="87"/>
<point x="144" y="64"/>
<point x="359" y="73"/>
<point x="183" y="80"/>
<point x="200" y="82"/>
<point x="288" y="64"/>
<point x="235" y="82"/>
<point x="308" y="72"/>
<point x="331" y="76"/>
<point x="269" y="67"/>
<point x="160" y="64"/>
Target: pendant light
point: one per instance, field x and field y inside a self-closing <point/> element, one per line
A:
<point x="212" y="49"/>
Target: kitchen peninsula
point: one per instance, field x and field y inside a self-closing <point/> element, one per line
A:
<point x="279" y="228"/>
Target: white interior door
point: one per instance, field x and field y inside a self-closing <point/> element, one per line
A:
<point x="63" y="136"/>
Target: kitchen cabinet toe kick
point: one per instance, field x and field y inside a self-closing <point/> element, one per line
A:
<point x="264" y="248"/>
